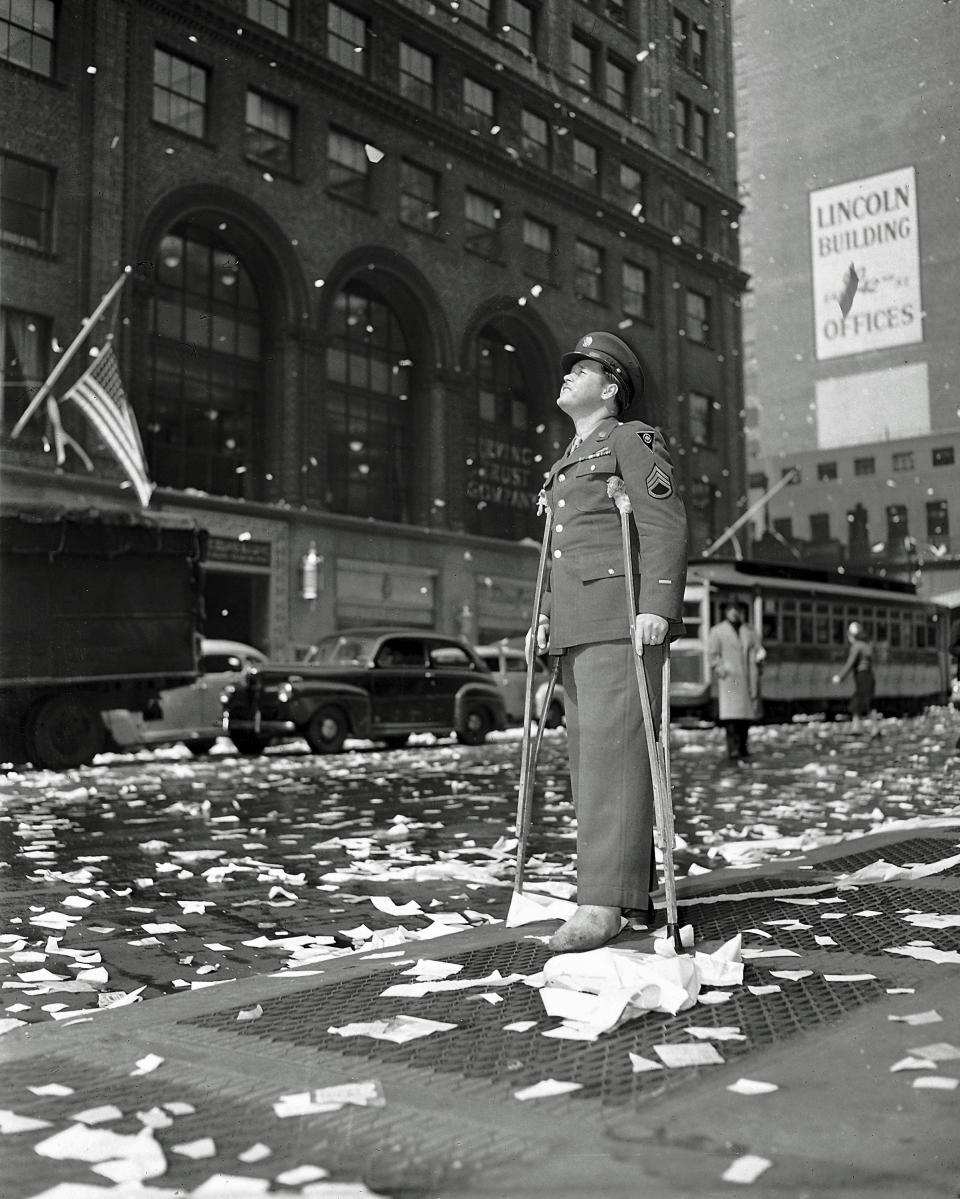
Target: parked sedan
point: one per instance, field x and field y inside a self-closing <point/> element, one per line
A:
<point x="192" y="714"/>
<point x="380" y="684"/>
<point x="509" y="667"/>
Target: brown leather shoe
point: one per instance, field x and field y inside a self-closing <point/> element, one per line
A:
<point x="590" y="926"/>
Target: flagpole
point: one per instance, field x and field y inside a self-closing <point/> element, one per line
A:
<point x="47" y="386"/>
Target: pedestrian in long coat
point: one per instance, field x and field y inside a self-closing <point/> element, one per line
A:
<point x="735" y="653"/>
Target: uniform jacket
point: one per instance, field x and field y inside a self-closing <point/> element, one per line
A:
<point x="585" y="593"/>
<point x="735" y="656"/>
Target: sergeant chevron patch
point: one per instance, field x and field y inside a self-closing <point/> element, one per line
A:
<point x="659" y="483"/>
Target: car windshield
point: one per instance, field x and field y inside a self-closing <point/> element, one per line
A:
<point x="340" y="647"/>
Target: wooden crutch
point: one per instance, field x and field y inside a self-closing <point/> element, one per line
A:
<point x="658" y="748"/>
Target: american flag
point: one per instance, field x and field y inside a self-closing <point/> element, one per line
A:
<point x="100" y="396"/>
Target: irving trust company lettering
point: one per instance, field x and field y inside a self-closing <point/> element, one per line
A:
<point x="502" y="474"/>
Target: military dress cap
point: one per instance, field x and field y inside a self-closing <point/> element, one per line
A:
<point x="616" y="357"/>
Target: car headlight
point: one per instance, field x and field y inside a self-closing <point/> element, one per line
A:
<point x="284" y="693"/>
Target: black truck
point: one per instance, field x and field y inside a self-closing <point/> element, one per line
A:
<point x="98" y="610"/>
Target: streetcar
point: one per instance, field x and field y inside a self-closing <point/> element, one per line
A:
<point x="802" y="616"/>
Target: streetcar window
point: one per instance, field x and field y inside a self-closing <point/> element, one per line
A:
<point x="806" y="622"/>
<point x="931" y="630"/>
<point x="769" y="628"/>
<point x="838" y="627"/>
<point x="822" y="625"/>
<point x="788" y="621"/>
<point x="907" y="624"/>
<point x="920" y="630"/>
<point x="895" y="629"/>
<point x="882" y="634"/>
<point x="691" y="617"/>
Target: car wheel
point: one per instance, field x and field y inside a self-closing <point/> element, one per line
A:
<point x="201" y="746"/>
<point x="396" y="741"/>
<point x="326" y="730"/>
<point x="65" y="731"/>
<point x="248" y="744"/>
<point x="554" y="717"/>
<point x="476" y="725"/>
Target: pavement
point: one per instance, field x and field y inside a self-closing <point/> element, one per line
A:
<point x="841" y="1121"/>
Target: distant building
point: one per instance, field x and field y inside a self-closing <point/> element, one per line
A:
<point x="847" y="119"/>
<point x="362" y="235"/>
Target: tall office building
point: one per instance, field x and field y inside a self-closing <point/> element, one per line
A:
<point x="361" y="236"/>
<point x="848" y="117"/>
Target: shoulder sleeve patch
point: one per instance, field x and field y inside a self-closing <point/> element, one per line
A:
<point x="659" y="483"/>
<point x="646" y="437"/>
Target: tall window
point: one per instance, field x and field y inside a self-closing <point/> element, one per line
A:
<point x="346" y="39"/>
<point x="518" y="25"/>
<point x="697" y="322"/>
<point x="179" y="93"/>
<point x="903" y="460"/>
<point x="419" y="196"/>
<point x="482" y="216"/>
<point x="702" y="513"/>
<point x="826" y="472"/>
<point x="348" y="168"/>
<point x="24" y="358"/>
<point x="27" y="33"/>
<point x="897" y="525"/>
<point x="535" y="138"/>
<point x="694" y="222"/>
<point x="586" y="162"/>
<point x="942" y="456"/>
<point x="417" y="75"/>
<point x="538" y="235"/>
<point x="503" y="472"/>
<point x="864" y="466"/>
<point x="616" y="85"/>
<point x="366" y="420"/>
<point x="819" y="527"/>
<point x="631" y="188"/>
<point x="268" y="137"/>
<point x="689" y="43"/>
<point x="478" y="103"/>
<point x="202" y="426"/>
<point x="582" y="63"/>
<point x="26" y="203"/>
<point x="588" y="282"/>
<point x="938" y="522"/>
<point x="275" y="14"/>
<point x="693" y="128"/>
<point x="700" y="414"/>
<point x="636" y="290"/>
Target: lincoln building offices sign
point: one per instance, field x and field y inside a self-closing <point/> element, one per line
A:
<point x="866" y="264"/>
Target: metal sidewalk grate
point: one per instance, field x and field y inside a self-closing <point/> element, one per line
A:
<point x="480" y="1048"/>
<point x="900" y="853"/>
<point x="396" y="1151"/>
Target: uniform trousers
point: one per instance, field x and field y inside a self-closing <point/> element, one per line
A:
<point x="610" y="771"/>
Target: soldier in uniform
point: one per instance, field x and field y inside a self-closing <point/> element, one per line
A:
<point x="584" y="619"/>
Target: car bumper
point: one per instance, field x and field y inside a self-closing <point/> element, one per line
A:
<point x="262" y="728"/>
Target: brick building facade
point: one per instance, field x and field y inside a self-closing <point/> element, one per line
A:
<point x="360" y="237"/>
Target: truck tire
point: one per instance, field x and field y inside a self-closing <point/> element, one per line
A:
<point x="63" y="732"/>
<point x="326" y="730"/>
<point x="248" y="744"/>
<point x="476" y="724"/>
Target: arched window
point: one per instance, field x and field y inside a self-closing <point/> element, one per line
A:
<point x="506" y="443"/>
<point x="367" y="414"/>
<point x="202" y="425"/>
